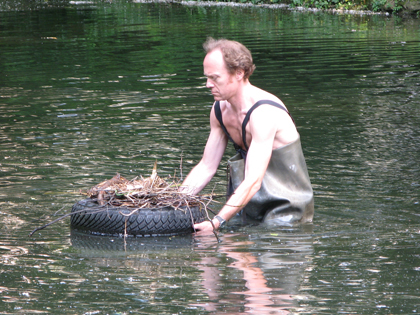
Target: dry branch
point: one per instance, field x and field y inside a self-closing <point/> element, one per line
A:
<point x="152" y="192"/>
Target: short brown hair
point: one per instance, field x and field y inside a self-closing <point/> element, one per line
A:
<point x="235" y="55"/>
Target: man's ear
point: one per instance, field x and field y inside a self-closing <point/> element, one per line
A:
<point x="240" y="74"/>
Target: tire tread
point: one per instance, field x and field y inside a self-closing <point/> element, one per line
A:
<point x="89" y="216"/>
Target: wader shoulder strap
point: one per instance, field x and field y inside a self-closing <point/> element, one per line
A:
<point x="248" y="115"/>
<point x="218" y="113"/>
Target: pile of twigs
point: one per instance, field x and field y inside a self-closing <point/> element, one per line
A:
<point x="151" y="192"/>
<point x="140" y="193"/>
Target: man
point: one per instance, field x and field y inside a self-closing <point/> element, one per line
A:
<point x="268" y="176"/>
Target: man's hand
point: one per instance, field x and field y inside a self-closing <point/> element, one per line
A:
<point x="206" y="227"/>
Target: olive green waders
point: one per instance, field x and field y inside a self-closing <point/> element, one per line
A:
<point x="286" y="193"/>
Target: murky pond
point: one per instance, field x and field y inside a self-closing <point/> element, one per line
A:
<point x="91" y="89"/>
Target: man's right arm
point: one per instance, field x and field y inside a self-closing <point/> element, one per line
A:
<point x="204" y="171"/>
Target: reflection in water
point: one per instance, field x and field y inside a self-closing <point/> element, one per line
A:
<point x="236" y="277"/>
<point x="257" y="294"/>
<point x="102" y="246"/>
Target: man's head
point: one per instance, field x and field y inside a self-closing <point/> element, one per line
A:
<point x="235" y="55"/>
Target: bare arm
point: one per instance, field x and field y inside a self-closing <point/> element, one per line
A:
<point x="204" y="171"/>
<point x="263" y="128"/>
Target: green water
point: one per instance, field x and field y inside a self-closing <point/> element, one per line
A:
<point x="91" y="89"/>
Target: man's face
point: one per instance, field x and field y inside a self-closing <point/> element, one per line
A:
<point x="222" y="84"/>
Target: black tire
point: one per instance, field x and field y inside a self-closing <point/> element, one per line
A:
<point x="89" y="216"/>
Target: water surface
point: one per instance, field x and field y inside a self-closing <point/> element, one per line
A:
<point x="88" y="90"/>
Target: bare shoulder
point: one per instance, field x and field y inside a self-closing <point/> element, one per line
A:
<point x="272" y="116"/>
<point x="213" y="117"/>
<point x="261" y="94"/>
<point x="215" y="126"/>
<point x="275" y="121"/>
<point x="270" y="112"/>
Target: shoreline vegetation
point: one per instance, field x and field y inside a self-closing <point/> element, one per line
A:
<point x="379" y="7"/>
<point x="361" y="7"/>
<point x="357" y="7"/>
<point x="385" y="7"/>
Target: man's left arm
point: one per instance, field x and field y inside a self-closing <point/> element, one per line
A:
<point x="263" y="132"/>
